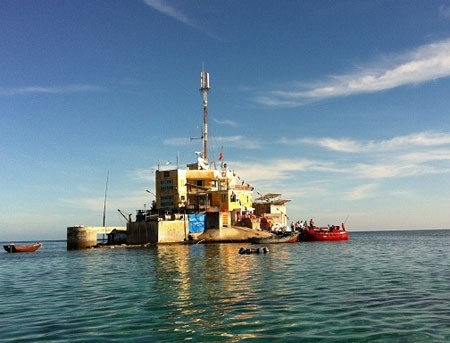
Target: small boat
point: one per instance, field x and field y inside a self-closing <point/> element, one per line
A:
<point x="323" y="234"/>
<point x="276" y="238"/>
<point x="22" y="248"/>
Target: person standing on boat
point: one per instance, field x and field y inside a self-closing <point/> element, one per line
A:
<point x="311" y="223"/>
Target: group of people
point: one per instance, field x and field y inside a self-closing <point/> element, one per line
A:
<point x="299" y="225"/>
<point x="303" y="225"/>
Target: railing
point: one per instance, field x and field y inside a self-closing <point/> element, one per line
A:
<point x="242" y="187"/>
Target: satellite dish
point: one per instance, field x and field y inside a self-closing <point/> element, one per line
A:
<point x="202" y="163"/>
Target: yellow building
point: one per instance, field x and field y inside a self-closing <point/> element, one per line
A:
<point x="196" y="189"/>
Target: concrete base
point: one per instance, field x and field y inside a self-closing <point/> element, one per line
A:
<point x="153" y="232"/>
<point x="82" y="237"/>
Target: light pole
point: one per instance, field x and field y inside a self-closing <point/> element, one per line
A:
<point x="154" y="201"/>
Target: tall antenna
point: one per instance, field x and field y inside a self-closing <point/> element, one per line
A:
<point x="204" y="88"/>
<point x="104" y="207"/>
<point x="104" y="201"/>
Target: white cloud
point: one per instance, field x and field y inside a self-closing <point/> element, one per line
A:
<point x="342" y="145"/>
<point x="226" y="122"/>
<point x="163" y="7"/>
<point x="175" y="13"/>
<point x="144" y="175"/>
<point x="426" y="156"/>
<point x="280" y="168"/>
<point x="424" y="153"/>
<point x="417" y="140"/>
<point x="51" y="89"/>
<point x="377" y="170"/>
<point x="361" y="192"/>
<point x="426" y="63"/>
<point x="238" y="141"/>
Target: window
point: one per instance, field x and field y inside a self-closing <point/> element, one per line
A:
<point x="166" y="186"/>
<point x="166" y="201"/>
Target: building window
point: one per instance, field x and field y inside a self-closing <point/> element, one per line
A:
<point x="166" y="186"/>
<point x="166" y="201"/>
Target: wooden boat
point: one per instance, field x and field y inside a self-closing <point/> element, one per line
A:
<point x="22" y="248"/>
<point x="323" y="234"/>
<point x="276" y="238"/>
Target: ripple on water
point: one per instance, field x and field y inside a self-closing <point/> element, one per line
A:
<point x="374" y="288"/>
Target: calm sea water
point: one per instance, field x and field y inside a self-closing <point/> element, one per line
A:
<point x="377" y="287"/>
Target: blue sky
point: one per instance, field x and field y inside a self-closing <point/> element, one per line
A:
<point x="341" y="106"/>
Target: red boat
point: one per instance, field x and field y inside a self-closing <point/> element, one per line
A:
<point x="323" y="234"/>
<point x="22" y="248"/>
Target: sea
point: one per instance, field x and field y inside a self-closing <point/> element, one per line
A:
<point x="391" y="286"/>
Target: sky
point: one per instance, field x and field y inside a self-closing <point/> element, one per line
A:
<point x="343" y="107"/>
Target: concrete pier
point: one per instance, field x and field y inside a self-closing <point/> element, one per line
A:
<point x="82" y="237"/>
<point x="156" y="232"/>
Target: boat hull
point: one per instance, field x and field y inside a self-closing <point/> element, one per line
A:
<point x="275" y="239"/>
<point x="14" y="248"/>
<point x="323" y="236"/>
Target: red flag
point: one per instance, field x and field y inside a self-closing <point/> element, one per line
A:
<point x="221" y="156"/>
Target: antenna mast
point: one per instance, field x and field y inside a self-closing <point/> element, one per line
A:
<point x="204" y="88"/>
<point x="104" y="201"/>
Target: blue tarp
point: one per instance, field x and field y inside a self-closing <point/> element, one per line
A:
<point x="196" y="223"/>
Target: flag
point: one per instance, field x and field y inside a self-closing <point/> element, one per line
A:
<point x="221" y="156"/>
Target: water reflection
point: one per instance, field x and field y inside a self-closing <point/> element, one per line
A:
<point x="206" y="284"/>
<point x="378" y="286"/>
